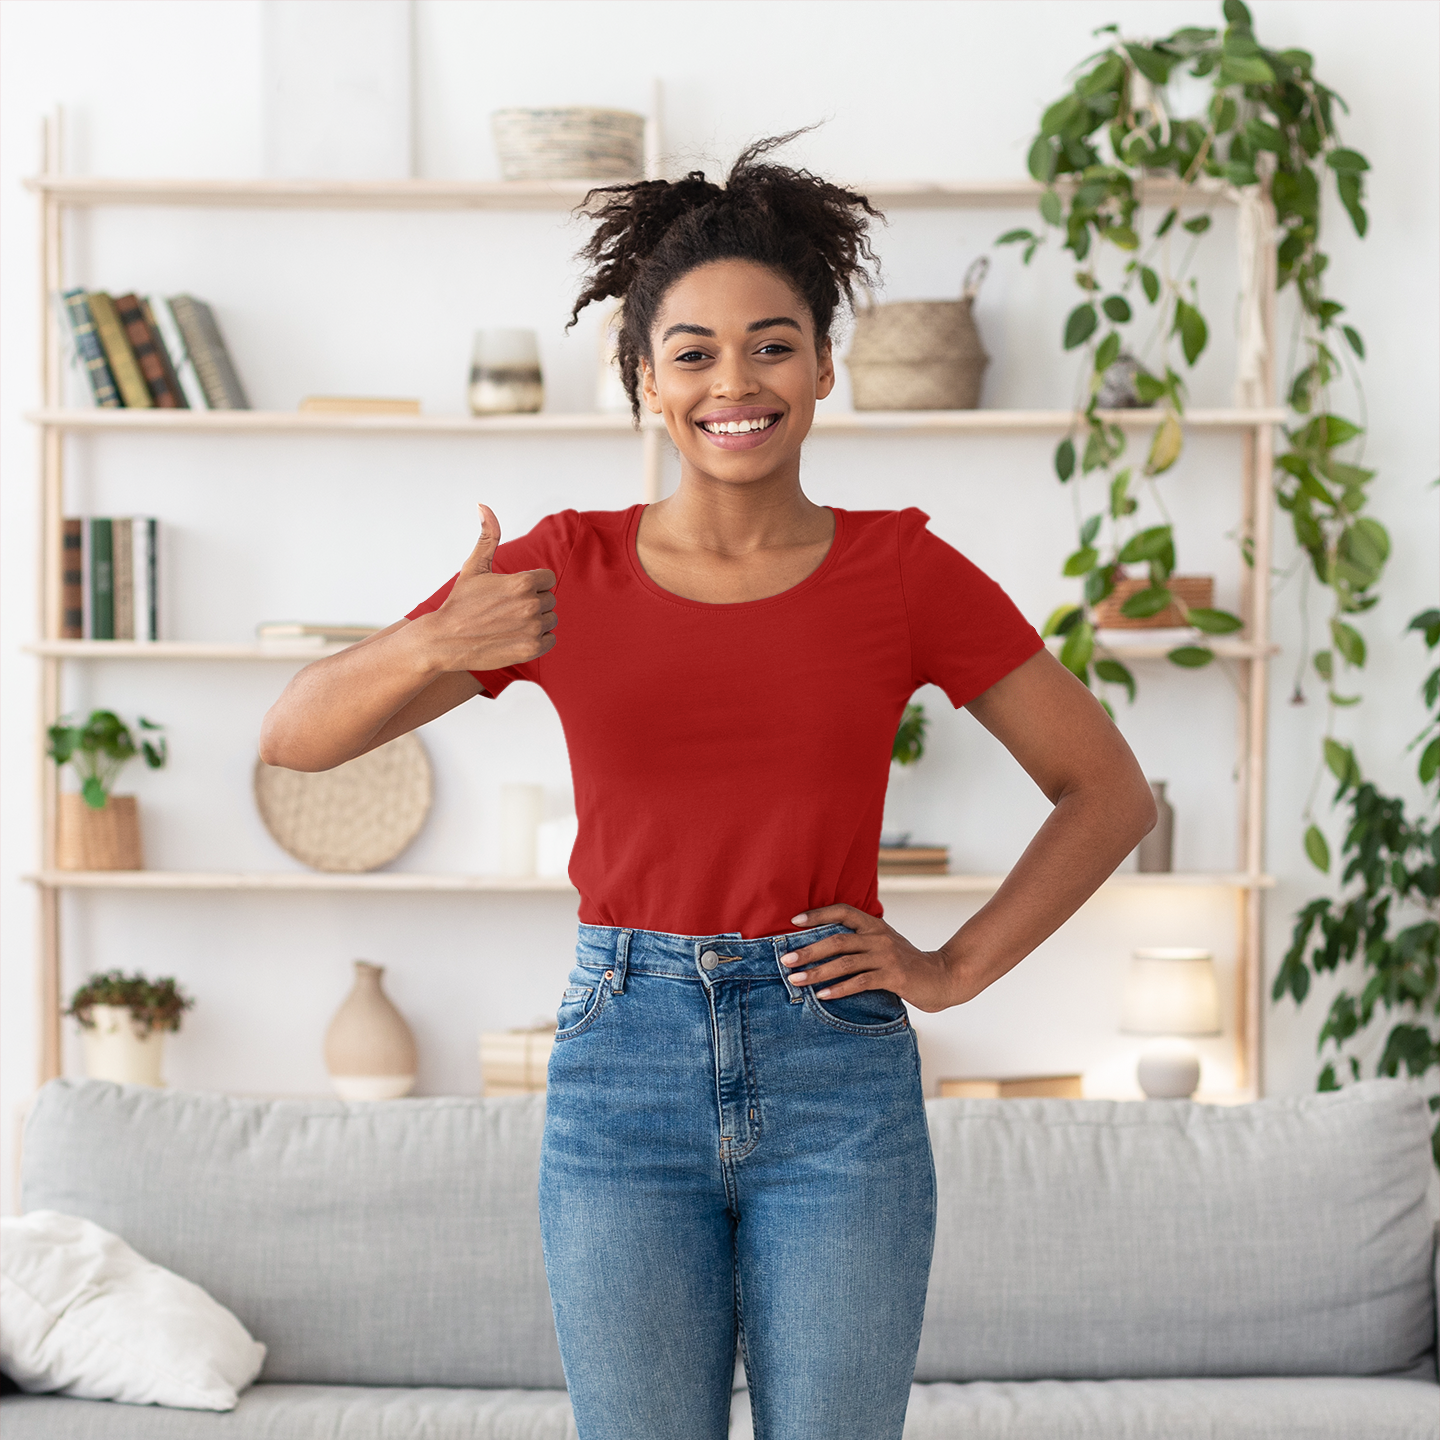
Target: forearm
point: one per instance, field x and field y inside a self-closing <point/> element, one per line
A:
<point x="346" y="704"/>
<point x="1089" y="832"/>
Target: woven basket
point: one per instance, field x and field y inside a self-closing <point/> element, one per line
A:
<point x="1196" y="592"/>
<point x="574" y="143"/>
<point x="90" y="839"/>
<point x="919" y="354"/>
<point x="358" y="816"/>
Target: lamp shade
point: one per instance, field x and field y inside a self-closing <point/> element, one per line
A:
<point x="1171" y="991"/>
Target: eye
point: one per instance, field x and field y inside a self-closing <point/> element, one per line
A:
<point x="775" y="347"/>
<point x="688" y="357"/>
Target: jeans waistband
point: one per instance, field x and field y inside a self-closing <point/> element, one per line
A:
<point x="705" y="958"/>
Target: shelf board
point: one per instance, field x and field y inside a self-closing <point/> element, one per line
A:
<point x="91" y="190"/>
<point x="1157" y="644"/>
<point x="402" y="882"/>
<point x="827" y="422"/>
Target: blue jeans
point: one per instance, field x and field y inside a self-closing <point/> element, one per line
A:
<point x="728" y="1157"/>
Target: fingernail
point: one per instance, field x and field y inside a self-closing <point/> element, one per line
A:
<point x="798" y="979"/>
<point x="823" y="994"/>
<point x="797" y="919"/>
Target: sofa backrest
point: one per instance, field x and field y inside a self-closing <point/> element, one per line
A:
<point x="395" y="1243"/>
<point x="1098" y="1239"/>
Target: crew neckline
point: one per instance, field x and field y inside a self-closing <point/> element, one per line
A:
<point x="632" y="533"/>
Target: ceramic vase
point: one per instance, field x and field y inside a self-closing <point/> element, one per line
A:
<point x="369" y="1050"/>
<point x="1154" y="854"/>
<point x="105" y="839"/>
<point x="116" y="1049"/>
<point x="505" y="374"/>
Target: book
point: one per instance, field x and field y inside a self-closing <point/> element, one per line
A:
<point x="146" y="568"/>
<point x="914" y="860"/>
<point x="221" y="384"/>
<point x="134" y="392"/>
<point x="122" y="568"/>
<point x="162" y="351"/>
<point x="143" y="342"/>
<point x="72" y="580"/>
<point x="358" y="405"/>
<point x="157" y="310"/>
<point x="102" y="580"/>
<point x="289" y="632"/>
<point x="89" y="350"/>
<point x="1020" y="1087"/>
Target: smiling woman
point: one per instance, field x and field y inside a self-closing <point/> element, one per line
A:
<point x="735" y="1139"/>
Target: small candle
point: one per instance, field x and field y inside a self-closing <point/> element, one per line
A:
<point x="520" y="810"/>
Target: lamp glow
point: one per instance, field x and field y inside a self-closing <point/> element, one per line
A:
<point x="1170" y="992"/>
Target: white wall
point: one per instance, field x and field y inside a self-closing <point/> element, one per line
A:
<point x="342" y="529"/>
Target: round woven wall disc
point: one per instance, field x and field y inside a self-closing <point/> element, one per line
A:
<point x="358" y="816"/>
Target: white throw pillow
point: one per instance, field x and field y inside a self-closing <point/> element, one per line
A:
<point x="82" y="1313"/>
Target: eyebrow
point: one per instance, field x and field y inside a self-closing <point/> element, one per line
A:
<point x="749" y="329"/>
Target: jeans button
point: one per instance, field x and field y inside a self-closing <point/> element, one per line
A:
<point x="709" y="960"/>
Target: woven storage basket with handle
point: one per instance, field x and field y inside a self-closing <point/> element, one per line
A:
<point x="919" y="354"/>
<point x="1195" y="592"/>
<point x="571" y="143"/>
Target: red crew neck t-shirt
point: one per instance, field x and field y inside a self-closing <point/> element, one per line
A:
<point x="730" y="761"/>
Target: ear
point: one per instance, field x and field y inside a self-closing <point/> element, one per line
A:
<point x="648" y="392"/>
<point x="825" y="373"/>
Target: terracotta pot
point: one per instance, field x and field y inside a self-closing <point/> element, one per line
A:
<point x="1197" y="592"/>
<point x="116" y="1049"/>
<point x="88" y="839"/>
<point x="369" y="1050"/>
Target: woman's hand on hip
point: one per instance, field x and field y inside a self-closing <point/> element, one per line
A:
<point x="873" y="957"/>
<point x="489" y="621"/>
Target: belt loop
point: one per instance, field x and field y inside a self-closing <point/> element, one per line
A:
<point x="622" y="961"/>
<point x="783" y="947"/>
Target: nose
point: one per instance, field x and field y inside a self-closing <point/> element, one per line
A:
<point x="734" y="379"/>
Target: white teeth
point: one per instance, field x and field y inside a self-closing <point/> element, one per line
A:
<point x="737" y="427"/>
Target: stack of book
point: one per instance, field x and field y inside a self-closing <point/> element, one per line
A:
<point x="152" y="353"/>
<point x="514" y="1062"/>
<point x="315" y="637"/>
<point x="109" y="572"/>
<point x="914" y="859"/>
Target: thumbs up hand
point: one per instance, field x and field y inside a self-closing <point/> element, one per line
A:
<point x="489" y="621"/>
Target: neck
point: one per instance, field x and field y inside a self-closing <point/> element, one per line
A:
<point x="733" y="519"/>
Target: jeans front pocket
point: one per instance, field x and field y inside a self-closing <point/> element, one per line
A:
<point x="871" y="1012"/>
<point x="580" y="1005"/>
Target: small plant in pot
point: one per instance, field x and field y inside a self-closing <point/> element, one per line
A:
<point x="99" y="830"/>
<point x="123" y="1020"/>
<point x="909" y="746"/>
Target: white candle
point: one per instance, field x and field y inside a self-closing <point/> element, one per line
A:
<point x="520" y="810"/>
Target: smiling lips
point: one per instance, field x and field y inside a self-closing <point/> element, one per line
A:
<point x="738" y="429"/>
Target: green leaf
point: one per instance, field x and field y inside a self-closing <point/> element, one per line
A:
<point x="1427" y="622"/>
<point x="1116" y="308"/>
<point x="1062" y="619"/>
<point x="1236" y="13"/>
<point x="1121" y="503"/>
<point x="1051" y="209"/>
<point x="1351" y="161"/>
<point x="1165" y="447"/>
<point x="1214" y="622"/>
<point x="1352" y="335"/>
<point x="1149" y="388"/>
<point x="1429" y="761"/>
<point x="1199" y="225"/>
<point x="1191" y="657"/>
<point x="1123" y="236"/>
<point x="1324" y="663"/>
<point x="1090" y="529"/>
<point x="1108" y="352"/>
<point x="93" y="793"/>
<point x="1150" y="283"/>
<point x="1245" y="70"/>
<point x="1366" y="545"/>
<point x="1341" y="762"/>
<point x="1114" y="673"/>
<point x="1065" y="459"/>
<point x="1343" y="700"/>
<point x="1146" y="545"/>
<point x="1169" y="219"/>
<point x="1083" y="560"/>
<point x="1041" y="160"/>
<point x="1145" y="603"/>
<point x="1014" y="237"/>
<point x="1079" y="646"/>
<point x="1264" y="137"/>
<point x="1080" y="325"/>
<point x="1349" y="642"/>
<point x="1154" y="65"/>
<point x="1318" y="849"/>
<point x="1060" y="114"/>
<point x="1192" y="330"/>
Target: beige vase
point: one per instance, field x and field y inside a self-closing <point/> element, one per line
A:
<point x="116" y="1049"/>
<point x="369" y="1050"/>
<point x="89" y="839"/>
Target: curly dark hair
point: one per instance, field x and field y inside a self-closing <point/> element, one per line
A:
<point x="650" y="233"/>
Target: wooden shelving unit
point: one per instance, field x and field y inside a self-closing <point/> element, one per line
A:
<point x="1247" y="653"/>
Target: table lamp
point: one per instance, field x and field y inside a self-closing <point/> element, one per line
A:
<point x="1170" y="992"/>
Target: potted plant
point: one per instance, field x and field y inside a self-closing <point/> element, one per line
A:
<point x="909" y="746"/>
<point x="98" y="830"/>
<point x="123" y="1020"/>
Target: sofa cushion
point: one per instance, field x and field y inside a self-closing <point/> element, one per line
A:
<point x="395" y="1243"/>
<point x="1097" y="1239"/>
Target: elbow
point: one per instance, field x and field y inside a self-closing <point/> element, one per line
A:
<point x="279" y="749"/>
<point x="1143" y="809"/>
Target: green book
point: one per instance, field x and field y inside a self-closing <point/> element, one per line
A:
<point x="102" y="579"/>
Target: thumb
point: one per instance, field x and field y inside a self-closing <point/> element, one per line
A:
<point x="479" y="562"/>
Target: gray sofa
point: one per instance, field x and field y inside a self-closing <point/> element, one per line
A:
<point x="1101" y="1270"/>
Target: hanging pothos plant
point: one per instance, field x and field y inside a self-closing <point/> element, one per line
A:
<point x="1269" y="126"/>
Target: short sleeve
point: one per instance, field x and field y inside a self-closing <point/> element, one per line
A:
<point x="965" y="631"/>
<point x="547" y="547"/>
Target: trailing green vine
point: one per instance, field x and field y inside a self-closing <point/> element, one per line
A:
<point x="1392" y="866"/>
<point x="1269" y="129"/>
